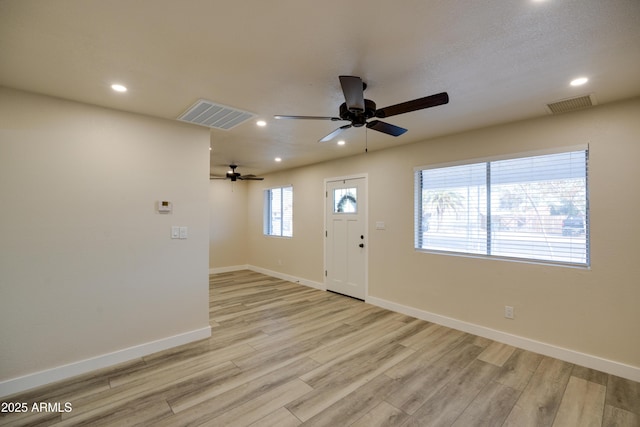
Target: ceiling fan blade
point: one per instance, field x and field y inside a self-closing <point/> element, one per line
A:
<point x="308" y="117"/>
<point x="250" y="178"/>
<point x="416" y="104"/>
<point x="334" y="133"/>
<point x="217" y="177"/>
<point x="353" y="92"/>
<point x="387" y="128"/>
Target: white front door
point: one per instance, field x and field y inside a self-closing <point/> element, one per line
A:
<point x="346" y="240"/>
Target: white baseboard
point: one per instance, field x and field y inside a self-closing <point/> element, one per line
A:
<point x="219" y="270"/>
<point x="294" y="279"/>
<point x="571" y="356"/>
<point x="272" y="273"/>
<point x="37" y="379"/>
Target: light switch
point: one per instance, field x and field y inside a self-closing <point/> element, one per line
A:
<point x="175" y="232"/>
<point x="183" y="232"/>
<point x="380" y="225"/>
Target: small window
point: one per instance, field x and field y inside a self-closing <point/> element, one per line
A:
<point x="345" y="200"/>
<point x="278" y="212"/>
<point x="532" y="208"/>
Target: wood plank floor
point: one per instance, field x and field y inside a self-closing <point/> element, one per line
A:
<point x="283" y="354"/>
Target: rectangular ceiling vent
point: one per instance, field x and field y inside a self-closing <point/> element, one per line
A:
<point x="217" y="116"/>
<point x="571" y="104"/>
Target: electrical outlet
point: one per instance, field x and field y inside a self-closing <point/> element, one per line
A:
<point x="508" y="312"/>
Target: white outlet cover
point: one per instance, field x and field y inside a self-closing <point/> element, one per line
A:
<point x="508" y="312"/>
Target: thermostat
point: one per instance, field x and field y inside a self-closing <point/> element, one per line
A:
<point x="165" y="207"/>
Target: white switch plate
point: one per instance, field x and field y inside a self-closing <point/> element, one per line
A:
<point x="175" y="232"/>
<point x="380" y="225"/>
<point x="183" y="232"/>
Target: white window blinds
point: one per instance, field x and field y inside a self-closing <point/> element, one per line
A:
<point x="533" y="208"/>
<point x="278" y="212"/>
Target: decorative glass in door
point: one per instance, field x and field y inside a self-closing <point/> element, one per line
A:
<point x="345" y="200"/>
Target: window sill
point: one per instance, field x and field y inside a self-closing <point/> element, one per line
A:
<point x="508" y="259"/>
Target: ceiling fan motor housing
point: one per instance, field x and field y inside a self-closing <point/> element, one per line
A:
<point x="356" y="117"/>
<point x="232" y="174"/>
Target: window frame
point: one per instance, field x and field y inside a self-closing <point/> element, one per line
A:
<point x="267" y="227"/>
<point x="418" y="208"/>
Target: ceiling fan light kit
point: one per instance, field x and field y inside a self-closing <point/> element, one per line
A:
<point x="358" y="110"/>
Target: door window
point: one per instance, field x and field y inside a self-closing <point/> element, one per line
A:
<point x="345" y="200"/>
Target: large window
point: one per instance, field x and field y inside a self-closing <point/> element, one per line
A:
<point x="278" y="212"/>
<point x="533" y="208"/>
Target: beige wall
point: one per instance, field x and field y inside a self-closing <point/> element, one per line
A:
<point x="593" y="311"/>
<point x="228" y="223"/>
<point x="87" y="266"/>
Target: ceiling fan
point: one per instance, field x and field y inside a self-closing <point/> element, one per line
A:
<point x="358" y="110"/>
<point x="234" y="176"/>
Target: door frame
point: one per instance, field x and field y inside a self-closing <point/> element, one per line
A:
<point x="366" y="227"/>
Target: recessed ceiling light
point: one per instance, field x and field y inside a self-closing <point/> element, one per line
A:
<point x="261" y="123"/>
<point x="341" y="142"/>
<point x="278" y="159"/>
<point x="118" y="87"/>
<point x="579" y="81"/>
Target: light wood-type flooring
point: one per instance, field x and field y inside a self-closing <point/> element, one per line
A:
<point x="282" y="354"/>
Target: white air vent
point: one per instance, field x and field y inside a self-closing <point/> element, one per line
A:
<point x="572" y="104"/>
<point x="217" y="116"/>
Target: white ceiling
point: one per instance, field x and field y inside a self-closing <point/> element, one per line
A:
<point x="499" y="60"/>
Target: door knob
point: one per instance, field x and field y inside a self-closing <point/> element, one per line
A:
<point x="361" y="245"/>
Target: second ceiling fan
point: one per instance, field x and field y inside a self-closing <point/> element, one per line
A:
<point x="357" y="110"/>
<point x="234" y="176"/>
